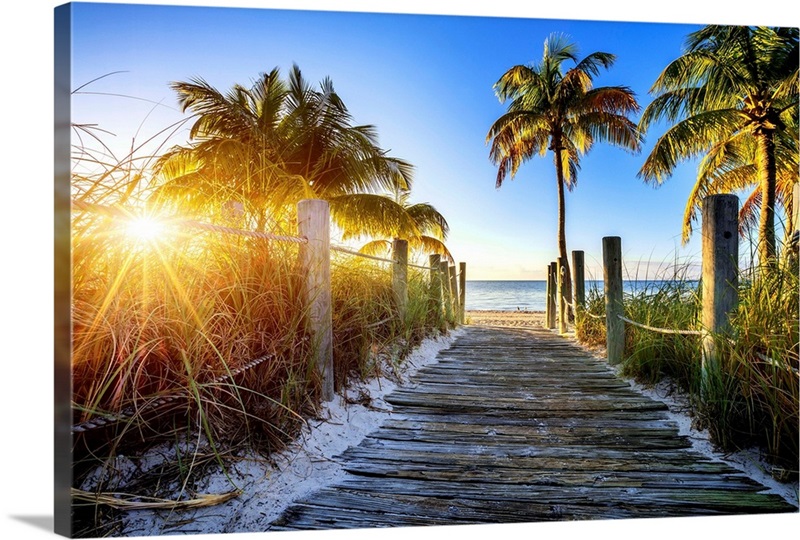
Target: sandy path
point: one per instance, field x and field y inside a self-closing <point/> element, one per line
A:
<point x="519" y="319"/>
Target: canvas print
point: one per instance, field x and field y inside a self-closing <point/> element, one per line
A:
<point x="351" y="270"/>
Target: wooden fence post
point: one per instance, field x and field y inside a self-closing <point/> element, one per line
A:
<point x="551" y="296"/>
<point x="561" y="272"/>
<point x="456" y="297"/>
<point x="796" y="207"/>
<point x="400" y="275"/>
<point x="447" y="294"/>
<point x="720" y="275"/>
<point x="313" y="222"/>
<point x="547" y="298"/>
<point x="462" y="290"/>
<point x="579" y="286"/>
<point x="436" y="281"/>
<point x="794" y="237"/>
<point x="612" y="277"/>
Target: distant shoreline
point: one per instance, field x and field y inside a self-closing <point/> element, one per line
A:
<point x="643" y="280"/>
<point x="501" y="311"/>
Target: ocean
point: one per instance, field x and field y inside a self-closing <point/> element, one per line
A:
<point x="528" y="295"/>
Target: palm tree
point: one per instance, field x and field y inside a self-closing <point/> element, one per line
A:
<point x="560" y="111"/>
<point x="731" y="97"/>
<point x="733" y="167"/>
<point x="267" y="146"/>
<point x="424" y="227"/>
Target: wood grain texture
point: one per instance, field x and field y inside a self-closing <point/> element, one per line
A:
<point x="520" y="425"/>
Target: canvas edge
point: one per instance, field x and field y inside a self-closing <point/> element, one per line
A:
<point x="62" y="31"/>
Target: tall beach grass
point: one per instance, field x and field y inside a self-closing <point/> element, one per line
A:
<point x="752" y="398"/>
<point x="166" y="330"/>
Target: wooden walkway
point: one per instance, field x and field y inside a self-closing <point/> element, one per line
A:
<point x="517" y="425"/>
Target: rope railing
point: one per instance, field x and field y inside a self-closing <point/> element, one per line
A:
<point x="112" y="211"/>
<point x="380" y="323"/>
<point x="419" y="266"/>
<point x="766" y="359"/>
<point x="341" y="249"/>
<point x="661" y="330"/>
<point x="313" y="222"/>
<point x="641" y="325"/>
<point x="116" y="212"/>
<point x="239" y="232"/>
<point x="585" y="311"/>
<point x="348" y="251"/>
<point x="670" y="331"/>
<point x="720" y="273"/>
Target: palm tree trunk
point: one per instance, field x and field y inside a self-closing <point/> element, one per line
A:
<point x="562" y="236"/>
<point x="766" y="171"/>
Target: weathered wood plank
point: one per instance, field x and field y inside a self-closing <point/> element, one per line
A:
<point x="509" y="477"/>
<point x="484" y="425"/>
<point x="518" y="425"/>
<point x="468" y="403"/>
<point x="547" y="437"/>
<point x="543" y="464"/>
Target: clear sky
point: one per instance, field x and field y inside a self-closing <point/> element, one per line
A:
<point x="426" y="82"/>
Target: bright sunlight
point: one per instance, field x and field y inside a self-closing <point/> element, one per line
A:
<point x="145" y="229"/>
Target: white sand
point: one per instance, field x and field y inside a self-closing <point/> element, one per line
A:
<point x="516" y="319"/>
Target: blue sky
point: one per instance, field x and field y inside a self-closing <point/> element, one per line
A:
<point x="426" y="82"/>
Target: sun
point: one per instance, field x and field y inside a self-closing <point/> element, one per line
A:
<point x="145" y="229"/>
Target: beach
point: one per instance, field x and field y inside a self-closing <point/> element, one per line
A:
<point x="516" y="319"/>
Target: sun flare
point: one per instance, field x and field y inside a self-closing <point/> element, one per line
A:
<point x="145" y="229"/>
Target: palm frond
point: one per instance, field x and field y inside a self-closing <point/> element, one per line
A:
<point x="279" y="140"/>
<point x="733" y="84"/>
<point x="594" y="62"/>
<point x="557" y="49"/>
<point x="428" y="220"/>
<point x="428" y="245"/>
<point x="749" y="213"/>
<point x="687" y="139"/>
<point x="367" y="214"/>
<point x="377" y="248"/>
<point x="513" y="80"/>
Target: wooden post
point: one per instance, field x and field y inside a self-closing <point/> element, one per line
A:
<point x="454" y="290"/>
<point x="547" y="298"/>
<point x="561" y="273"/>
<point x="579" y="286"/>
<point x="462" y="291"/>
<point x="796" y="206"/>
<point x="720" y="277"/>
<point x="400" y="275"/>
<point x="313" y="222"/>
<point x="612" y="277"/>
<point x="794" y="237"/>
<point x="436" y="282"/>
<point x="447" y="294"/>
<point x="551" y="296"/>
